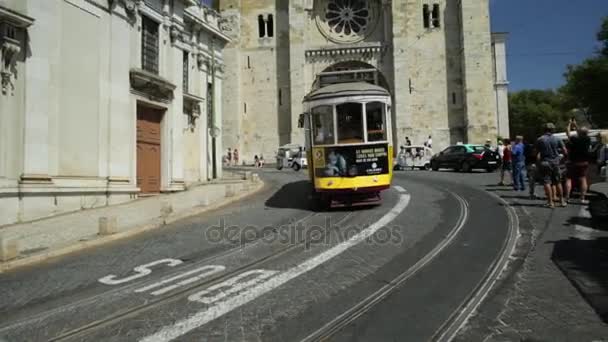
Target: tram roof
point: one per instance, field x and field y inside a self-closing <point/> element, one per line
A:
<point x="346" y="89"/>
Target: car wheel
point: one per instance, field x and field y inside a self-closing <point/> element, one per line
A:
<point x="465" y="167"/>
<point x="296" y="167"/>
<point x="434" y="166"/>
<point x="279" y="166"/>
<point x="426" y="167"/>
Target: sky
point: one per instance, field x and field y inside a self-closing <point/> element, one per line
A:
<point x="545" y="36"/>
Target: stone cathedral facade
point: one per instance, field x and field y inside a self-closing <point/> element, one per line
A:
<point x="445" y="69"/>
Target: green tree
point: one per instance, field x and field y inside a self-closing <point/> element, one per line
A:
<point x="587" y="83"/>
<point x="529" y="110"/>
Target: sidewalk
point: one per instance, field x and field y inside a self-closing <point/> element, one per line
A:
<point x="26" y="243"/>
<point x="556" y="286"/>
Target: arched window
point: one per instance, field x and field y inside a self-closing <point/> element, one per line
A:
<point x="270" y="27"/>
<point x="261" y="26"/>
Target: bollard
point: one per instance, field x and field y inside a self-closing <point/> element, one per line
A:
<point x="9" y="249"/>
<point x="247" y="175"/>
<point x="107" y="226"/>
<point x="166" y="209"/>
<point x="230" y="191"/>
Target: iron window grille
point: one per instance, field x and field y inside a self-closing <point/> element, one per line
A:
<point x="149" y="45"/>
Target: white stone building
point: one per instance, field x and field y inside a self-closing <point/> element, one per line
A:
<point x="103" y="100"/>
<point x="436" y="57"/>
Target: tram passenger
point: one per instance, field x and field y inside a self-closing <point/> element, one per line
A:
<point x="336" y="165"/>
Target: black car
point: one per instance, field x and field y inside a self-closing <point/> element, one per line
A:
<point x="466" y="158"/>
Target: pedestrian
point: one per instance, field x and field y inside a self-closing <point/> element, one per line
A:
<point x="256" y="161"/>
<point x="407" y="141"/>
<point x="519" y="164"/>
<point x="547" y="147"/>
<point x="488" y="144"/>
<point x="602" y="153"/>
<point x="532" y="169"/>
<point x="578" y="146"/>
<point x="261" y="160"/>
<point x="429" y="142"/>
<point x="229" y="156"/>
<point x="236" y="157"/>
<point x="506" y="162"/>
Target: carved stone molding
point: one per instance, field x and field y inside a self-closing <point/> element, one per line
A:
<point x="202" y="61"/>
<point x="11" y="25"/>
<point x="362" y="53"/>
<point x="10" y="50"/>
<point x="151" y="85"/>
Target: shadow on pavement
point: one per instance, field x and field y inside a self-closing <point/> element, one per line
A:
<point x="295" y="195"/>
<point x="585" y="264"/>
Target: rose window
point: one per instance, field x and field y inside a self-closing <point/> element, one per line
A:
<point x="346" y="21"/>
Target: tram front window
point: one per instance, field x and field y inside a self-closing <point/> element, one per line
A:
<point x="376" y="124"/>
<point x="350" y="123"/>
<point x="323" y="125"/>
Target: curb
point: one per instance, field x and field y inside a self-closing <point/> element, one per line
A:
<point x="99" y="241"/>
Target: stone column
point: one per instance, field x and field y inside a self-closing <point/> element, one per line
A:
<point x="217" y="98"/>
<point x="477" y="69"/>
<point x="502" y="83"/>
<point x="122" y="115"/>
<point x="37" y="89"/>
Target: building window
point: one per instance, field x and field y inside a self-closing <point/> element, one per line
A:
<point x="280" y="97"/>
<point x="245" y="107"/>
<point x="261" y="26"/>
<point x="270" y="26"/>
<point x="149" y="45"/>
<point x="453" y="98"/>
<point x="436" y="16"/>
<point x="185" y="71"/>
<point x="426" y="16"/>
<point x="248" y="62"/>
<point x="210" y="121"/>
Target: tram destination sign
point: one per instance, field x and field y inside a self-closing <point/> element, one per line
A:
<point x="352" y="161"/>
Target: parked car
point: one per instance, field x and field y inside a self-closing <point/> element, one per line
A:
<point x="465" y="158"/>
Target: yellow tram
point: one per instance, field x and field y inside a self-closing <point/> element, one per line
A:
<point x="348" y="136"/>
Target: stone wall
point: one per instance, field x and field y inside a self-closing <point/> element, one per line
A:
<point x="70" y="141"/>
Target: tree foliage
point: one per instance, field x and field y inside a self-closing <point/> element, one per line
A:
<point x="586" y="85"/>
<point x="531" y="109"/>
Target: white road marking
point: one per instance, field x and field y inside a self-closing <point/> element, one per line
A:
<point x="582" y="232"/>
<point x="400" y="189"/>
<point x="231" y="286"/>
<point x="204" y="271"/>
<point x="225" y="306"/>
<point x="142" y="271"/>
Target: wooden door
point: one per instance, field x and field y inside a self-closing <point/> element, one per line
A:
<point x="148" y="149"/>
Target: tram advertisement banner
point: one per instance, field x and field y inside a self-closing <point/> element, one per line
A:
<point x="351" y="161"/>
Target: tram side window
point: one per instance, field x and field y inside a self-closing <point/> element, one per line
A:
<point x="323" y="125"/>
<point x="376" y="123"/>
<point x="350" y="123"/>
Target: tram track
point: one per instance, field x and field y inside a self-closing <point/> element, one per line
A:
<point x="129" y="288"/>
<point x="349" y="316"/>
<point x="86" y="329"/>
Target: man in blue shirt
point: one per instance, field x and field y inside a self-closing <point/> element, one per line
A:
<point x="519" y="164"/>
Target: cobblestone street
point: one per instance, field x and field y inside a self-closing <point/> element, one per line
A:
<point x="538" y="302"/>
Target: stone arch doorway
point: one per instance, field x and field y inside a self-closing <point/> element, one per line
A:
<point x="350" y="71"/>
